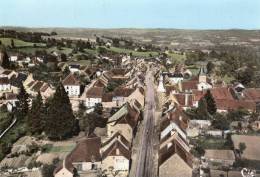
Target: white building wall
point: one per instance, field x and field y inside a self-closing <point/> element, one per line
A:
<point x="117" y="162"/>
<point x="175" y="80"/>
<point x="64" y="173"/>
<point x="72" y="90"/>
<point x="5" y="87"/>
<point x="90" y="102"/>
<point x="204" y="86"/>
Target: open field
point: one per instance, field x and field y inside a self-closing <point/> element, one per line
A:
<point x="19" y="43"/>
<point x="134" y="53"/>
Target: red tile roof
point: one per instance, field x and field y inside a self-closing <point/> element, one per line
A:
<point x="189" y="85"/>
<point x="181" y="99"/>
<point x="123" y="92"/>
<point x="225" y="104"/>
<point x="222" y="93"/>
<point x="4" y="80"/>
<point x="95" y="92"/>
<point x="252" y="94"/>
<point x="117" y="135"/>
<point x="113" y="148"/>
<point x="169" y="89"/>
<point x="70" y="80"/>
<point x="87" y="150"/>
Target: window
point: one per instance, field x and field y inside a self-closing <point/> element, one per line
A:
<point x="78" y="167"/>
<point x="93" y="166"/>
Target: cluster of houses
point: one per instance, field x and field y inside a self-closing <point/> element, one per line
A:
<point x="107" y="151"/>
<point x="180" y="91"/>
<point x="119" y="90"/>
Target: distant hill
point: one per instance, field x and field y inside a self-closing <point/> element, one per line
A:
<point x="173" y="38"/>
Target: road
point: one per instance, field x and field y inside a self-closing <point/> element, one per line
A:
<point x="146" y="156"/>
<point x="8" y="128"/>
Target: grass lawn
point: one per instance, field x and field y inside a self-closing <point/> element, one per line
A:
<point x="212" y="143"/>
<point x="80" y="62"/>
<point x="177" y="57"/>
<point x="64" y="50"/>
<point x="91" y="51"/>
<point x="134" y="53"/>
<point x="58" y="149"/>
<point x="30" y="50"/>
<point x="19" y="43"/>
<point x="228" y="79"/>
<point x="5" y="121"/>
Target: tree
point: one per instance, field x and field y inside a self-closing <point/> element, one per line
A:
<point x="63" y="57"/>
<point x="12" y="43"/>
<point x="98" y="108"/>
<point x="60" y="120"/>
<point x="242" y="147"/>
<point x="246" y="76"/>
<point x="23" y="103"/>
<point x="53" y="33"/>
<point x="220" y="122"/>
<point x="211" y="105"/>
<point x="36" y="116"/>
<point x="202" y="110"/>
<point x="210" y="67"/>
<point x="48" y="169"/>
<point x="87" y="123"/>
<point x="5" y="60"/>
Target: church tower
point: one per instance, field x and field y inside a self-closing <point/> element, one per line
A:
<point x="203" y="74"/>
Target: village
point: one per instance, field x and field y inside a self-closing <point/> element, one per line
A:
<point x="111" y="107"/>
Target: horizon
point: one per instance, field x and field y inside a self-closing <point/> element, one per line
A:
<point x="134" y="14"/>
<point x="127" y="28"/>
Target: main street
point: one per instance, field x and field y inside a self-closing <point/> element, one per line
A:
<point x="146" y="155"/>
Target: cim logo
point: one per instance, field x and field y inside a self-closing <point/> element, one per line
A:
<point x="248" y="173"/>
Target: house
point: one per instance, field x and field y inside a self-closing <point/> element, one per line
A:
<point x="5" y="84"/>
<point x="8" y="73"/>
<point x="33" y="87"/>
<point x="216" y="157"/>
<point x="121" y="94"/>
<point x="227" y="105"/>
<point x="160" y="87"/>
<point x="175" y="159"/>
<point x="74" y="68"/>
<point x="92" y="72"/>
<point x="183" y="100"/>
<point x="175" y="166"/>
<point x="13" y="58"/>
<point x="116" y="153"/>
<point x="200" y="82"/>
<point x="138" y="95"/>
<point x="85" y="157"/>
<point x="124" y="121"/>
<point x="71" y="85"/>
<point x="169" y="127"/>
<point x="10" y="100"/>
<point x="93" y="96"/>
<point x="17" y="80"/>
<point x="251" y="94"/>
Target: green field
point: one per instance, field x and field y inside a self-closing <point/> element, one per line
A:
<point x="177" y="57"/>
<point x="19" y="43"/>
<point x="59" y="149"/>
<point x="134" y="53"/>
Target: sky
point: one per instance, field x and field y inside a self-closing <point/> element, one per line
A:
<point x="181" y="14"/>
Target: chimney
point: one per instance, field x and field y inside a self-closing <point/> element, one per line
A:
<point x="186" y="99"/>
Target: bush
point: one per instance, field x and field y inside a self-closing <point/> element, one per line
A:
<point x="34" y="164"/>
